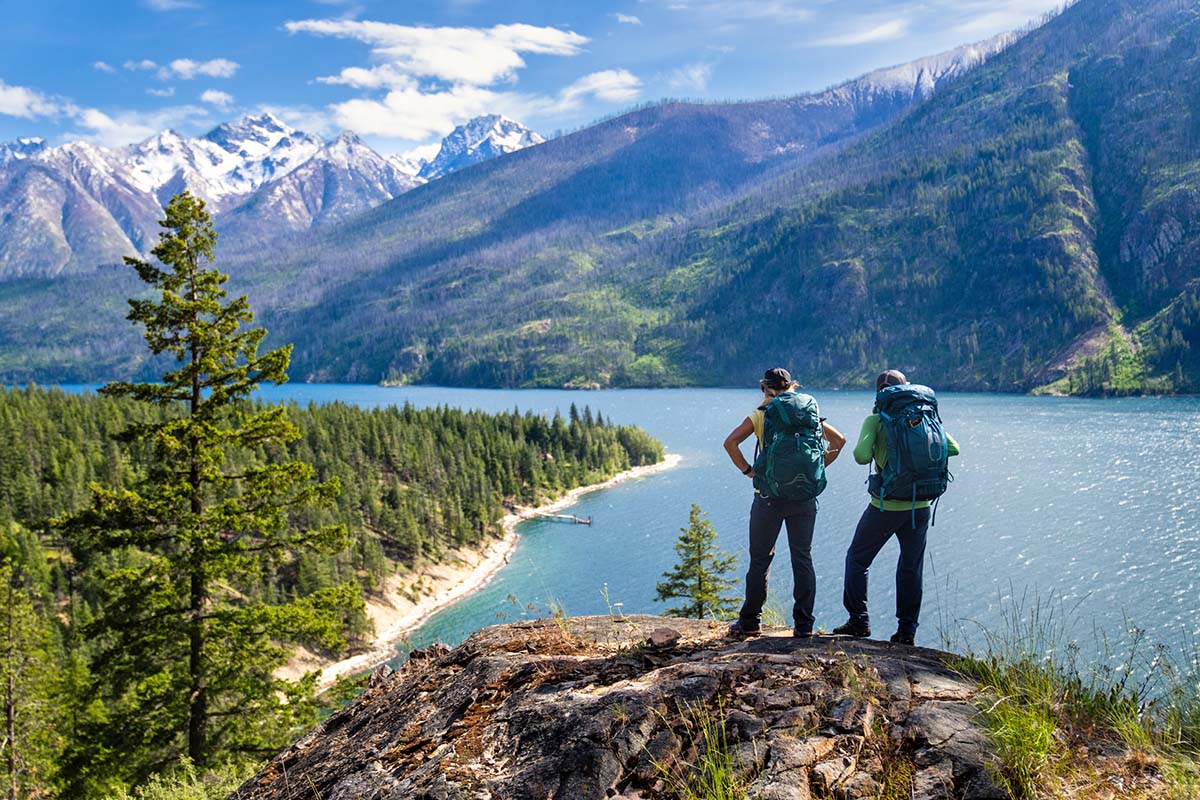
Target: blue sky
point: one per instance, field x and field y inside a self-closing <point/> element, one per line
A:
<point x="402" y="74"/>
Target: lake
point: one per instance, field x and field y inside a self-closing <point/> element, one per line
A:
<point x="1089" y="507"/>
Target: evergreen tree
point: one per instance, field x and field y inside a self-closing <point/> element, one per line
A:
<point x="699" y="576"/>
<point x="29" y="741"/>
<point x="185" y="648"/>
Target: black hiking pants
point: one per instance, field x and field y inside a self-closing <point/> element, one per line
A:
<point x="767" y="516"/>
<point x="874" y="529"/>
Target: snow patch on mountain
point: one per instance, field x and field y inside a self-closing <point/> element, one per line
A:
<point x="924" y="76"/>
<point x="481" y="139"/>
<point x="25" y="147"/>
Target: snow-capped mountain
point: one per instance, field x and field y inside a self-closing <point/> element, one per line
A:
<point x="25" y="147"/>
<point x="921" y="78"/>
<point x="227" y="164"/>
<point x="341" y="179"/>
<point x="479" y="140"/>
<point x="409" y="165"/>
<point x="76" y="206"/>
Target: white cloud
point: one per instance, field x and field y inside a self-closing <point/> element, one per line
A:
<point x="144" y="64"/>
<point x="104" y="66"/>
<point x="21" y="101"/>
<point x="610" y="85"/>
<point x="221" y="100"/>
<point x="117" y="128"/>
<point x="627" y="19"/>
<point x="690" y="77"/>
<point x="466" y="56"/>
<point x="424" y="152"/>
<point x="167" y="92"/>
<point x="884" y="32"/>
<point x="415" y="115"/>
<point x="381" y="77"/>
<point x="433" y="79"/>
<point x="186" y="68"/>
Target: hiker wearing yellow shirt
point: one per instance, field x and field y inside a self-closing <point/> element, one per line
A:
<point x="795" y="446"/>
<point x="887" y="516"/>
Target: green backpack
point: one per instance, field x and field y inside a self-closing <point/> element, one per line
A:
<point x="790" y="460"/>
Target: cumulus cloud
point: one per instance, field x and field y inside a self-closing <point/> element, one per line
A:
<point x="221" y="100"/>
<point x="112" y="128"/>
<point x="385" y="76"/>
<point x="883" y="32"/>
<point x="117" y="128"/>
<point x="690" y="77"/>
<point x="104" y="66"/>
<point x="414" y="115"/>
<point x="186" y="68"/>
<point x="424" y="81"/>
<point x="166" y="92"/>
<point x="610" y="85"/>
<point x="21" y="101"/>
<point x="461" y="56"/>
<point x="144" y="64"/>
<point x="627" y="19"/>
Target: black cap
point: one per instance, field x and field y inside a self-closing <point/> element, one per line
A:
<point x="777" y="378"/>
<point x="889" y="377"/>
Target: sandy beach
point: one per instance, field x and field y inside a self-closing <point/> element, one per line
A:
<point x="407" y="600"/>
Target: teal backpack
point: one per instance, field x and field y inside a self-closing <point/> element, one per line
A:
<point x="790" y="460"/>
<point x="918" y="462"/>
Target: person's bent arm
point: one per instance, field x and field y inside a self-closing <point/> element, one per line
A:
<point x="836" y="442"/>
<point x="733" y="445"/>
<point x="864" y="451"/>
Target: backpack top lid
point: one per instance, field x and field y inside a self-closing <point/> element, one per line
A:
<point x="892" y="399"/>
<point x="792" y="410"/>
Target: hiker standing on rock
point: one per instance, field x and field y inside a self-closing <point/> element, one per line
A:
<point x="911" y="450"/>
<point x="794" y="447"/>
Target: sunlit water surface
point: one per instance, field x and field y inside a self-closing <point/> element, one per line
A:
<point x="1090" y="508"/>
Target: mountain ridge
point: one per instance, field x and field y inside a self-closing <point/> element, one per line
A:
<point x="114" y="197"/>
<point x="1030" y="241"/>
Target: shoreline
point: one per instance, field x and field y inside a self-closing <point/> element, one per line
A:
<point x="465" y="571"/>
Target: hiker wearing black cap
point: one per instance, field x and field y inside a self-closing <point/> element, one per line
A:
<point x="794" y="447"/>
<point x="900" y="499"/>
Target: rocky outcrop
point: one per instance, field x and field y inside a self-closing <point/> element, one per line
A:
<point x="603" y="707"/>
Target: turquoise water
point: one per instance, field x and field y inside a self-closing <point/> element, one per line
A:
<point x="1090" y="506"/>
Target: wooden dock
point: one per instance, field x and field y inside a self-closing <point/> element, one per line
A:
<point x="565" y="518"/>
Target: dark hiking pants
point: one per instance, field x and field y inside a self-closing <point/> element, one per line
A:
<point x="874" y="529"/>
<point x="767" y="516"/>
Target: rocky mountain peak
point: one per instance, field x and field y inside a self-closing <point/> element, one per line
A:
<point x="480" y="139"/>
<point x="21" y="148"/>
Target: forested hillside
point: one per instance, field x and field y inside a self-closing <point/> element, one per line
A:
<point x="464" y="259"/>
<point x="414" y="483"/>
<point x="1030" y="222"/>
<point x="1034" y="220"/>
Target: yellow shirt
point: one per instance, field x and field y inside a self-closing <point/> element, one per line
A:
<point x="756" y="418"/>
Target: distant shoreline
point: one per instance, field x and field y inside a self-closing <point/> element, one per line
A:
<point x="466" y="571"/>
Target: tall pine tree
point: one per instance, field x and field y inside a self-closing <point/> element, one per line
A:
<point x="699" y="576"/>
<point x="186" y="646"/>
<point x="30" y="737"/>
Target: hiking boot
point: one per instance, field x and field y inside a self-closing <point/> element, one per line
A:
<point x="900" y="637"/>
<point x="802" y="634"/>
<point x="855" y="630"/>
<point x="738" y="631"/>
